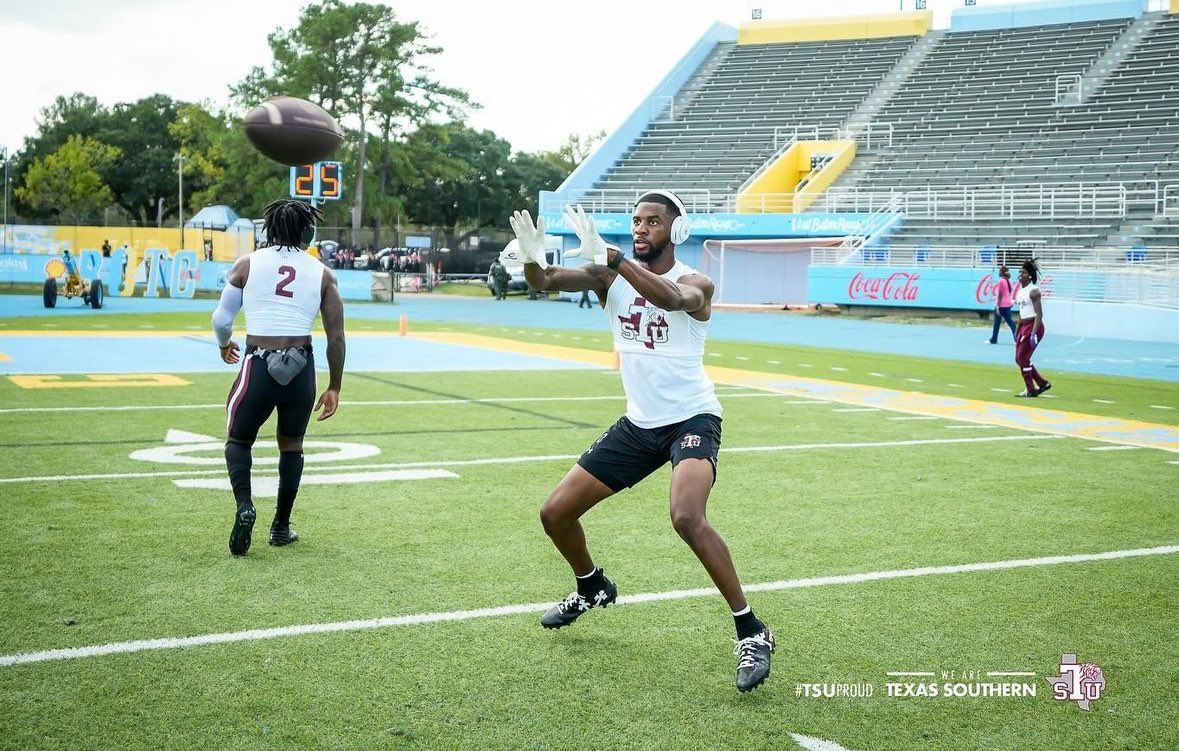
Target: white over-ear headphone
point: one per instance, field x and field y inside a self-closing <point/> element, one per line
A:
<point x="681" y="227"/>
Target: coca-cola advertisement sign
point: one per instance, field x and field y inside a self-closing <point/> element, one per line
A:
<point x="909" y="287"/>
<point x="899" y="286"/>
<point x="984" y="292"/>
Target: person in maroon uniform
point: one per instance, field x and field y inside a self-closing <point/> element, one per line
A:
<point x="1031" y="329"/>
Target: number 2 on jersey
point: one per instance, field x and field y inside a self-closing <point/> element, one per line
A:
<point x="288" y="276"/>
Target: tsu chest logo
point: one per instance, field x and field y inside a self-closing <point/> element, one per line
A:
<point x="646" y="325"/>
<point x="1080" y="682"/>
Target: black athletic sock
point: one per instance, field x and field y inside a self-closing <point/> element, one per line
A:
<point x="748" y="625"/>
<point x="591" y="584"/>
<point x="290" y="472"/>
<point x="239" y="460"/>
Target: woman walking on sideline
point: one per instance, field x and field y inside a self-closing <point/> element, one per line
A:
<point x="1004" y="292"/>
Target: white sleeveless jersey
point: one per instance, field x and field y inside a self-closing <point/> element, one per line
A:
<point x="282" y="293"/>
<point x="1023" y="298"/>
<point x="661" y="354"/>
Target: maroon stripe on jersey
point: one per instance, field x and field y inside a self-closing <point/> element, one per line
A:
<point x="238" y="392"/>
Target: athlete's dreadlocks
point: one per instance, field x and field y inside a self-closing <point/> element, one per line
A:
<point x="289" y="221"/>
<point x="1033" y="270"/>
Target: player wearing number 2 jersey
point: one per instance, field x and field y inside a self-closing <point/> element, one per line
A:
<point x="282" y="289"/>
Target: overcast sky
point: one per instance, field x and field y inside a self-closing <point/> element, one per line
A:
<point x="542" y="69"/>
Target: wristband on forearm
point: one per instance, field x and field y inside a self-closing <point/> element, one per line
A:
<point x="616" y="261"/>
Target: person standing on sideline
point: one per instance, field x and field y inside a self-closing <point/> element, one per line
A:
<point x="282" y="289"/>
<point x="499" y="279"/>
<point x="659" y="309"/>
<point x="106" y="248"/>
<point x="1003" y="299"/>
<point x="584" y="302"/>
<point x="1031" y="329"/>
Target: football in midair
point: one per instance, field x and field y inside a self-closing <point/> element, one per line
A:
<point x="292" y="131"/>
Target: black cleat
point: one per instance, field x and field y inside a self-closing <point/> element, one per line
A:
<point x="1043" y="388"/>
<point x="283" y="535"/>
<point x="243" y="525"/>
<point x="570" y="609"/>
<point x="1025" y="394"/>
<point x="753" y="660"/>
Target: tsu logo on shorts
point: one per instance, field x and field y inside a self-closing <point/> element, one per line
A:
<point x="690" y="441"/>
<point x="1080" y="682"/>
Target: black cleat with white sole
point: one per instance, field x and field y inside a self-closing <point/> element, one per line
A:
<point x="570" y="609"/>
<point x="283" y="535"/>
<point x="243" y="526"/>
<point x="753" y="660"/>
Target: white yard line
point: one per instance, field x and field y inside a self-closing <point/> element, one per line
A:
<point x="529" y="459"/>
<point x="914" y="417"/>
<point x="386" y="402"/>
<point x="417" y="619"/>
<point x="856" y="409"/>
<point x="1115" y="448"/>
<point x="811" y="743"/>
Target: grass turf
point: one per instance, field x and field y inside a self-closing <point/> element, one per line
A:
<point x="91" y="562"/>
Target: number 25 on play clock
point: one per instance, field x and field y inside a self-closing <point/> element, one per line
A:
<point x="321" y="181"/>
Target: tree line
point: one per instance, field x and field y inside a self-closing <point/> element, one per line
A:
<point x="408" y="156"/>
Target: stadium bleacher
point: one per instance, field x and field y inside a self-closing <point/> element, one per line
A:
<point x="981" y="117"/>
<point x="741" y="107"/>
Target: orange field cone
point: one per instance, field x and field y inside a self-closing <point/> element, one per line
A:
<point x="404" y="325"/>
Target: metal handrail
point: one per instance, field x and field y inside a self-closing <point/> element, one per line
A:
<point x="1170" y="205"/>
<point x="1157" y="260"/>
<point x="876" y="223"/>
<point x="1069" y="89"/>
<point x="770" y="161"/>
<point x="606" y="200"/>
<point x="993" y="201"/>
<point x="867" y="133"/>
<point x="1048" y="202"/>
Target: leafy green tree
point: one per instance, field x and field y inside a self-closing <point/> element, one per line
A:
<point x="67" y="184"/>
<point x="146" y="171"/>
<point x="74" y="114"/>
<point x="528" y="174"/>
<point x="363" y="65"/>
<point x="463" y="177"/>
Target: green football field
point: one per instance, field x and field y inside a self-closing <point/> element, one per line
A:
<point x="406" y="617"/>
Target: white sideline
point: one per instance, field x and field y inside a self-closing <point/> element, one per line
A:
<point x="75" y="653"/>
<point x="527" y="459"/>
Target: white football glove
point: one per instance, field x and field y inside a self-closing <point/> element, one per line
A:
<point x="593" y="247"/>
<point x="510" y="255"/>
<point x="530" y="237"/>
